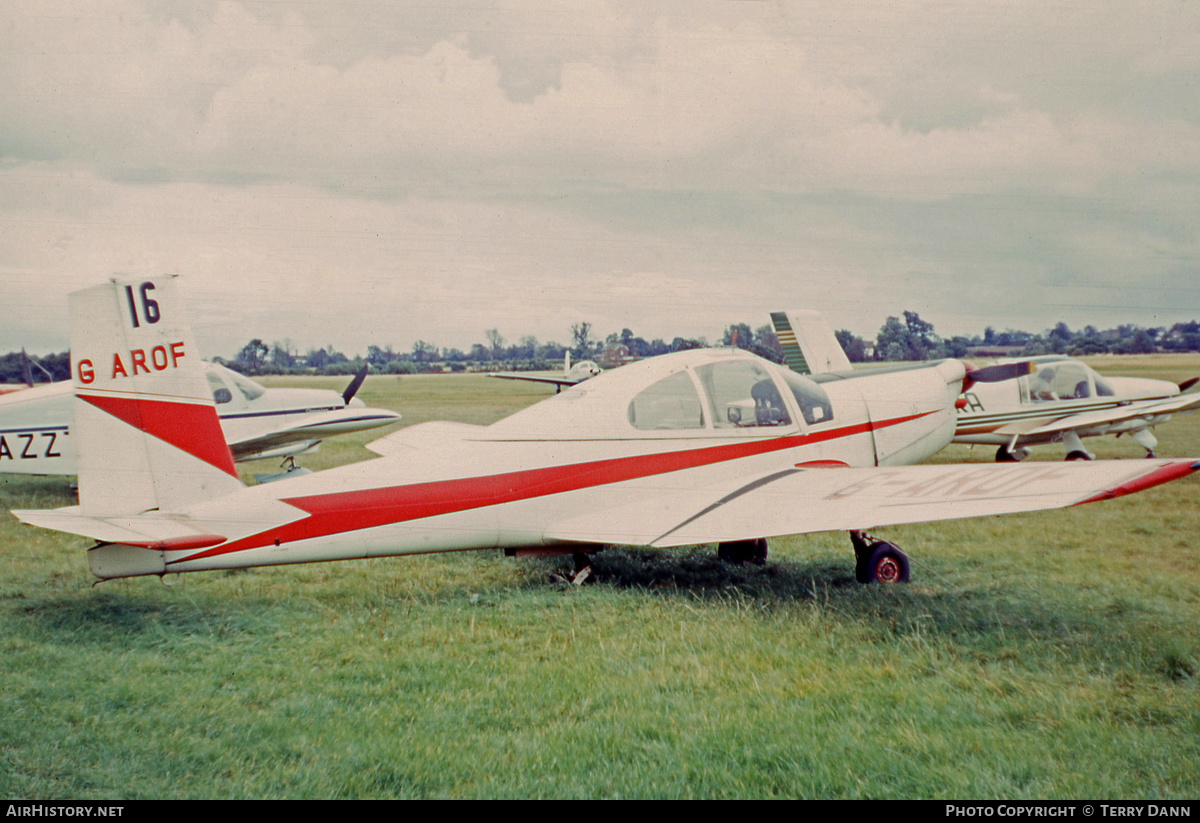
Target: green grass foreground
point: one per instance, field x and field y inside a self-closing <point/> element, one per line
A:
<point x="1052" y="655"/>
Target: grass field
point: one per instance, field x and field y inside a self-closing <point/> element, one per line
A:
<point x="1052" y="655"/>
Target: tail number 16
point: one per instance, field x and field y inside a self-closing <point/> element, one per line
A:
<point x="149" y="306"/>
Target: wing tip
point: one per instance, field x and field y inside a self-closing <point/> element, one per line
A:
<point x="1165" y="473"/>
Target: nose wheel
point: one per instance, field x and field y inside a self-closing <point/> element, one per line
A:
<point x="877" y="561"/>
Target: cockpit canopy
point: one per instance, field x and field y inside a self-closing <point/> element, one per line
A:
<point x="694" y="392"/>
<point x="226" y="385"/>
<point x="1061" y="378"/>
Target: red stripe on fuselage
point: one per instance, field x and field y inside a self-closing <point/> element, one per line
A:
<point x="339" y="512"/>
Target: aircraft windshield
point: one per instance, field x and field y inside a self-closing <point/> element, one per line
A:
<point x="812" y="399"/>
<point x="221" y="378"/>
<point x="1064" y="379"/>
<point x="249" y="389"/>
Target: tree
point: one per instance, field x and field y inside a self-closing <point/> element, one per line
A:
<point x="1139" y="342"/>
<point x="914" y="339"/>
<point x="379" y="358"/>
<point x="316" y="358"/>
<point x="1059" y="337"/>
<point x="581" y="332"/>
<point x="281" y="357"/>
<point x="853" y="345"/>
<point x="252" y="356"/>
<point x="892" y="341"/>
<point x="424" y="352"/>
<point x="495" y="342"/>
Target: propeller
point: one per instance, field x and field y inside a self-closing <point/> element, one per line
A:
<point x="1187" y="384"/>
<point x="998" y="373"/>
<point x="355" y="385"/>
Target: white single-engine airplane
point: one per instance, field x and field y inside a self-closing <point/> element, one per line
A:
<point x="257" y="422"/>
<point x="1061" y="400"/>
<point x="700" y="446"/>
<point x="571" y="375"/>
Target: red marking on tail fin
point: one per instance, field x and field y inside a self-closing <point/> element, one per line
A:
<point x="190" y="427"/>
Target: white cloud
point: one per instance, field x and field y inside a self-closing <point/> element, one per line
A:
<point x="526" y="159"/>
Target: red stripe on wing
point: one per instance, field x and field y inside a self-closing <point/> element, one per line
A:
<point x="1156" y="477"/>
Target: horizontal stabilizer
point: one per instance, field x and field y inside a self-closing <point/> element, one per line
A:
<point x="144" y="530"/>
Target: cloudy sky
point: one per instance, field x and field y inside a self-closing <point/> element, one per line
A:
<point x="381" y="172"/>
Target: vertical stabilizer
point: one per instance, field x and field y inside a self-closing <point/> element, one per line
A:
<point x="146" y="429"/>
<point x="808" y="342"/>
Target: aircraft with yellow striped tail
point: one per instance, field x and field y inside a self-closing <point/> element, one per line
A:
<point x="699" y="446"/>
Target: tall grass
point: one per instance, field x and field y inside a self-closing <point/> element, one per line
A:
<point x="1037" y="656"/>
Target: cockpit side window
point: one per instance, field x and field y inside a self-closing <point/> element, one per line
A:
<point x="671" y="403"/>
<point x="220" y="391"/>
<point x="812" y="399"/>
<point x="741" y="394"/>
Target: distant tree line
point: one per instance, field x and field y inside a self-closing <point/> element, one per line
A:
<point x="914" y="339"/>
<point x="17" y="367"/>
<point x="906" y="338"/>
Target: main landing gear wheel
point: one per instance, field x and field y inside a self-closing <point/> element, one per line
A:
<point x="877" y="561"/>
<point x="741" y="552"/>
<point x="1003" y="455"/>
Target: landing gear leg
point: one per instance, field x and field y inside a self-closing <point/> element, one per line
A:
<point x="1145" y="439"/>
<point x="742" y="552"/>
<point x="877" y="561"/>
<point x="1074" y="447"/>
<point x="583" y="568"/>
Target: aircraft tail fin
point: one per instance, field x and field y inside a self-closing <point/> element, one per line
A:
<point x="146" y="430"/>
<point x="808" y="342"/>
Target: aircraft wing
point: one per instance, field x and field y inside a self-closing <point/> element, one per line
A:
<point x="534" y="377"/>
<point x="804" y="500"/>
<point x="312" y="427"/>
<point x="1132" y="411"/>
